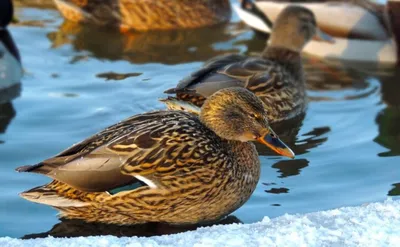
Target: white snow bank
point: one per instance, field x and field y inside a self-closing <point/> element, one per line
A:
<point x="375" y="224"/>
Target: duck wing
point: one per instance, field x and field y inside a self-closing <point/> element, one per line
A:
<point x="259" y="75"/>
<point x="141" y="148"/>
<point x="207" y="80"/>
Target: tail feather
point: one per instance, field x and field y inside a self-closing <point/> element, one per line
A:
<point x="49" y="194"/>
<point x="46" y="166"/>
<point x="179" y="90"/>
<point x="29" y="168"/>
<point x="170" y="91"/>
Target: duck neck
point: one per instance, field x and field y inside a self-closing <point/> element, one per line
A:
<point x="246" y="156"/>
<point x="287" y="58"/>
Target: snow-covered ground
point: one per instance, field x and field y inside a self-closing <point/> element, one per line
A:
<point x="375" y="224"/>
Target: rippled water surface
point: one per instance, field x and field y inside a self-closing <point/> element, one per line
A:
<point x="78" y="81"/>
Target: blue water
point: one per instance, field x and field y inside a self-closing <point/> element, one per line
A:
<point x="347" y="148"/>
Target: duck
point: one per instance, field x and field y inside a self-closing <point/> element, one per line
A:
<point x="145" y="15"/>
<point x="166" y="166"/>
<point x="364" y="32"/>
<point x="10" y="61"/>
<point x="276" y="76"/>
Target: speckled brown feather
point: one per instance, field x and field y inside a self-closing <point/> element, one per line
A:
<point x="191" y="166"/>
<point x="144" y="15"/>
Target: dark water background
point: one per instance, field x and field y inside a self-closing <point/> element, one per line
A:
<point x="80" y="80"/>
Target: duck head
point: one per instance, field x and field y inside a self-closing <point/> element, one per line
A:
<point x="237" y="114"/>
<point x="294" y="27"/>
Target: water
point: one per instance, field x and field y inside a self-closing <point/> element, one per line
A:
<point x="78" y="81"/>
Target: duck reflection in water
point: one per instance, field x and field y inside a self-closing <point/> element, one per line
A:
<point x="388" y="119"/>
<point x="79" y="228"/>
<point x="149" y="47"/>
<point x="10" y="67"/>
<point x="395" y="191"/>
<point x="7" y="113"/>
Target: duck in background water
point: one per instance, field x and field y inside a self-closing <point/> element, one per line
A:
<point x="276" y="77"/>
<point x="10" y="67"/>
<point x="145" y="15"/>
<point x="364" y="31"/>
<point x="10" y="61"/>
<point x="163" y="166"/>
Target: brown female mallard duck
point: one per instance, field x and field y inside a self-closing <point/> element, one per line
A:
<point x="144" y="15"/>
<point x="187" y="168"/>
<point x="276" y="76"/>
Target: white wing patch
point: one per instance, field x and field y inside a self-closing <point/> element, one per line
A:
<point x="147" y="181"/>
<point x="251" y="20"/>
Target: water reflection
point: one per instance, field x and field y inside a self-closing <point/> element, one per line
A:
<point x="10" y="68"/>
<point x="78" y="228"/>
<point x="117" y="76"/>
<point x="395" y="191"/>
<point x="167" y="47"/>
<point x="7" y="113"/>
<point x="278" y="191"/>
<point x="286" y="168"/>
<point x="388" y="119"/>
<point x="331" y="75"/>
<point x="288" y="133"/>
<point x="389" y="131"/>
<point x="289" y="168"/>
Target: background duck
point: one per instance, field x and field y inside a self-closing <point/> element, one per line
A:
<point x="362" y="30"/>
<point x="144" y="15"/>
<point x="186" y="169"/>
<point x="10" y="61"/>
<point x="276" y="76"/>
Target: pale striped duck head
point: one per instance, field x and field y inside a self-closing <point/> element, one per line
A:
<point x="294" y="27"/>
<point x="237" y="114"/>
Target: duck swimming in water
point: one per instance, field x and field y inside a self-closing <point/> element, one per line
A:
<point x="276" y="77"/>
<point x="145" y="15"/>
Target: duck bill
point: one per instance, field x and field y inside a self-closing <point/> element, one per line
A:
<point x="271" y="140"/>
<point x="322" y="36"/>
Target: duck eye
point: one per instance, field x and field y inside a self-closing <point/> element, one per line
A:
<point x="253" y="115"/>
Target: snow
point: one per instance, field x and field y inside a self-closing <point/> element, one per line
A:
<point x="374" y="224"/>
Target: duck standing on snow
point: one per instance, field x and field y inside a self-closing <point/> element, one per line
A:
<point x="276" y="76"/>
<point x="363" y="31"/>
<point x="144" y="15"/>
<point x="163" y="166"/>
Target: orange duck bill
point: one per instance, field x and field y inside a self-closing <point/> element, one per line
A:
<point x="271" y="140"/>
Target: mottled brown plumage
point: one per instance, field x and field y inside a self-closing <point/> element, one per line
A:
<point x="187" y="168"/>
<point x="144" y="15"/>
<point x="276" y="77"/>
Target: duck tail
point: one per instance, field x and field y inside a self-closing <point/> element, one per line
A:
<point x="40" y="168"/>
<point x="253" y="16"/>
<point x="44" y="167"/>
<point x="29" y="168"/>
<point x="53" y="194"/>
